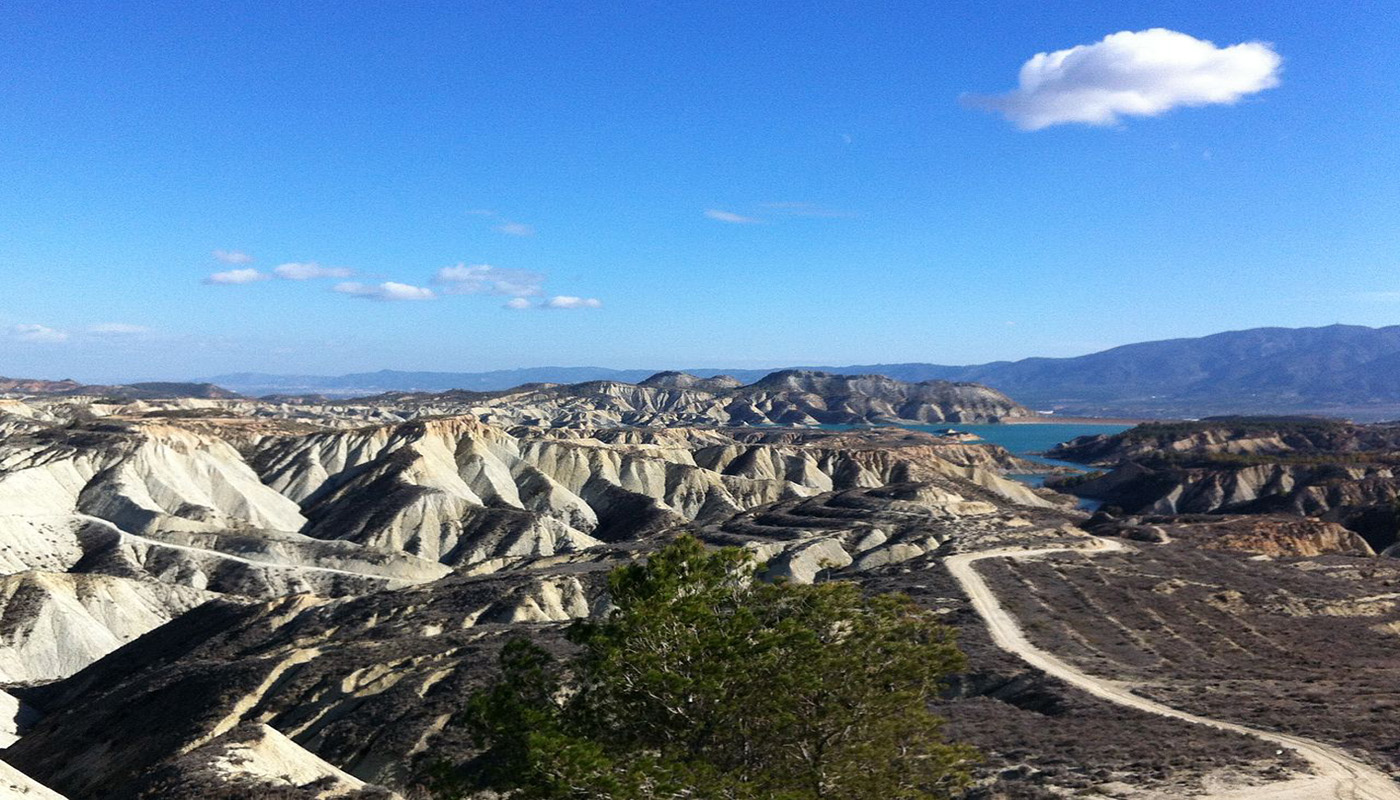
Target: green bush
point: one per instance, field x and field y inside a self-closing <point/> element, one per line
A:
<point x="707" y="683"/>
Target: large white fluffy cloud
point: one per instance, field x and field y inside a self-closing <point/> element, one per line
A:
<point x="1133" y="73"/>
<point x="486" y="279"/>
<point x="308" y="270"/>
<point x="387" y="291"/>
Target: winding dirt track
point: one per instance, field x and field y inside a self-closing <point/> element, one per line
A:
<point x="1336" y="775"/>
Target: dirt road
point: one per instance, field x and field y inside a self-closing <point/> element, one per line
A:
<point x="1336" y="774"/>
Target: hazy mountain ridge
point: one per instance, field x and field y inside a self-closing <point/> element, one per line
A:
<point x="787" y="398"/>
<point x="147" y="390"/>
<point x="1347" y="370"/>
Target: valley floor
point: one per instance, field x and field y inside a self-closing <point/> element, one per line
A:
<point x="1334" y="773"/>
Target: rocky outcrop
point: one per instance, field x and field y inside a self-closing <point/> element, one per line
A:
<point x="1339" y="472"/>
<point x="793" y="397"/>
<point x="1237" y="440"/>
<point x="1269" y="535"/>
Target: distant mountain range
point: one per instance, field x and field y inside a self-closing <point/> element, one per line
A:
<point x="1345" y="370"/>
<point x="125" y="392"/>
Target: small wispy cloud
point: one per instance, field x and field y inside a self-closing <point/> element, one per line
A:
<point x="1132" y="73"/>
<point x="387" y="291"/>
<point x="486" y="279"/>
<point x="39" y="334"/>
<point x="232" y="257"/>
<point x="559" y="301"/>
<point x="117" y="329"/>
<point x="567" y="301"/>
<point x="309" y="270"/>
<point x="1379" y="297"/>
<point x="235" y="277"/>
<point x="509" y="227"/>
<point x="516" y="229"/>
<point x="730" y="217"/>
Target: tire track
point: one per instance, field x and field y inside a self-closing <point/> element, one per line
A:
<point x="1337" y="776"/>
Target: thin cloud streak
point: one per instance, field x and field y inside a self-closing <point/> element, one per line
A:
<point x="38" y="334"/>
<point x="388" y="291"/>
<point x="486" y="279"/>
<point x="564" y="301"/>
<point x="236" y="277"/>
<point x="730" y="217"/>
<point x="516" y="229"/>
<point x="117" y="329"/>
<point x="309" y="270"/>
<point x="232" y="257"/>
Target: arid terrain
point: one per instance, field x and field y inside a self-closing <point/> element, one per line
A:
<point x="229" y="598"/>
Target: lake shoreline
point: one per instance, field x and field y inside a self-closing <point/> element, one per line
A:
<point x="1055" y="420"/>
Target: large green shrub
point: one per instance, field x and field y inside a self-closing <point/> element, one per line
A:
<point x="706" y="683"/>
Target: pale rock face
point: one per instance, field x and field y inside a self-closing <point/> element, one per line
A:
<point x="54" y="624"/>
<point x="39" y="542"/>
<point x="15" y="785"/>
<point x="153" y="477"/>
<point x="264" y="756"/>
<point x="15" y="717"/>
<point x="802" y="564"/>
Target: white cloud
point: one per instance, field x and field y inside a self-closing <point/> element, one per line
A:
<point x="305" y="271"/>
<point x="516" y="229"/>
<point x="387" y="291"/>
<point x="38" y="333"/>
<point x="565" y="301"/>
<point x="730" y="216"/>
<point x="232" y="257"/>
<point x="235" y="277"/>
<point x="1132" y="73"/>
<point x="117" y="329"/>
<point x="486" y="279"/>
<point x="518" y="304"/>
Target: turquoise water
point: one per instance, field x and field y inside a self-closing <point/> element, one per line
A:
<point x="1028" y="441"/>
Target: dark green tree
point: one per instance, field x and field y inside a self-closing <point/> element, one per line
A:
<point x="706" y="683"/>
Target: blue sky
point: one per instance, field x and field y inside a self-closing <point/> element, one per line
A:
<point x="671" y="185"/>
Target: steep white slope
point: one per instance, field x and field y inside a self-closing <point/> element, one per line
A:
<point x="143" y="477"/>
<point x="15" y="716"/>
<point x="451" y="489"/>
<point x="264" y="756"/>
<point x="15" y="785"/>
<point x="54" y="624"/>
